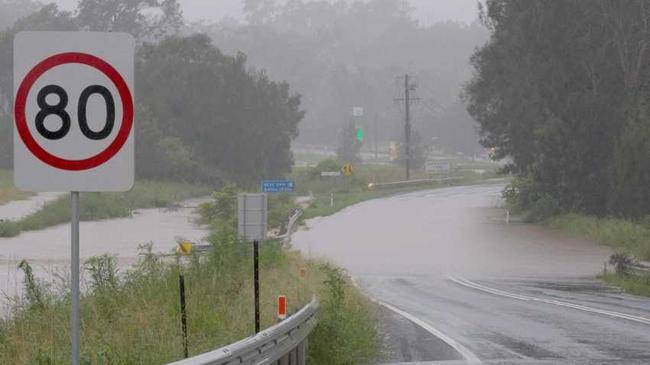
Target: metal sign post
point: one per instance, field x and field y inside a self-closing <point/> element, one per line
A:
<point x="252" y="227"/>
<point x="256" y="283"/>
<point x="75" y="323"/>
<point x="181" y="288"/>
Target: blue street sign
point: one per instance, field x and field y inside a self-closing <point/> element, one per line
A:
<point x="278" y="186"/>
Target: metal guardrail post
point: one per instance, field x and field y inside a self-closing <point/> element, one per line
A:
<point x="284" y="360"/>
<point x="301" y="352"/>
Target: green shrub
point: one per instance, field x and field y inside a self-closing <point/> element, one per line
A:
<point x="9" y="229"/>
<point x="345" y="333"/>
<point x="545" y="206"/>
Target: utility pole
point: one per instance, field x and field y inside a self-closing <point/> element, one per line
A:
<point x="408" y="87"/>
<point x="407" y="125"/>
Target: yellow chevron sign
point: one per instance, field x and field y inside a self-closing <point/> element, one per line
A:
<point x="184" y="247"/>
<point x="347" y="169"/>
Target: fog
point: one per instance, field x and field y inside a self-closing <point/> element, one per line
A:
<point x="426" y="11"/>
<point x="321" y="60"/>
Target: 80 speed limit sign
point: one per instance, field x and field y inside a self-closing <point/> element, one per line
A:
<point x="73" y="111"/>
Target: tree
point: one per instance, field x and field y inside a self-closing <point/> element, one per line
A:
<point x="12" y="10"/>
<point x="236" y="124"/>
<point x="48" y="17"/>
<point x="334" y="54"/>
<point x="561" y="106"/>
<point x="349" y="147"/>
<point x="144" y="19"/>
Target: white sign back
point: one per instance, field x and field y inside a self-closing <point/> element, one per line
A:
<point x="73" y="111"/>
<point x="252" y="218"/>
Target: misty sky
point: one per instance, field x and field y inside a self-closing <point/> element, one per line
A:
<point x="427" y="11"/>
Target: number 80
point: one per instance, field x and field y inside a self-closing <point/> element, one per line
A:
<point x="59" y="110"/>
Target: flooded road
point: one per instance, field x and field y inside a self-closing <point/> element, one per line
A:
<point x="48" y="250"/>
<point x="18" y="209"/>
<point x="488" y="291"/>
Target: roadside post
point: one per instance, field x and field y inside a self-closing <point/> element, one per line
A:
<point x="282" y="308"/>
<point x="181" y="287"/>
<point x="252" y="226"/>
<point x="73" y="124"/>
<point x="184" y="248"/>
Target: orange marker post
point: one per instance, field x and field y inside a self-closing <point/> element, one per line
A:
<point x="282" y="307"/>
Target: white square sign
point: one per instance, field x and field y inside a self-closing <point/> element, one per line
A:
<point x="252" y="219"/>
<point x="73" y="111"/>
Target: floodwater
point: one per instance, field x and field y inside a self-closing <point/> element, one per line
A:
<point x="48" y="250"/>
<point x="447" y="231"/>
<point x="18" y="209"/>
<point x="508" y="293"/>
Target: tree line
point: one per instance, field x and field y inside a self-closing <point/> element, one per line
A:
<point x="561" y="90"/>
<point x="201" y="115"/>
<point x="342" y="54"/>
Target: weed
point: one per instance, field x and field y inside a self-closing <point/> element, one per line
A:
<point x="33" y="290"/>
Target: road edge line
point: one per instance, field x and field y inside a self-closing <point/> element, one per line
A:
<point x="486" y="289"/>
<point x="468" y="355"/>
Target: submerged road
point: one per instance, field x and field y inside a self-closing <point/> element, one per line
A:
<point x="460" y="286"/>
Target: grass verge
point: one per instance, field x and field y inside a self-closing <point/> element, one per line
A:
<point x="633" y="284"/>
<point x="97" y="206"/>
<point x="8" y="192"/>
<point x="623" y="235"/>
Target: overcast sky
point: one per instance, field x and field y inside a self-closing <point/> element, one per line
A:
<point x="427" y="11"/>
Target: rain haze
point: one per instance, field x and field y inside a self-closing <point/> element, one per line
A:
<point x="324" y="182"/>
<point x="426" y="11"/>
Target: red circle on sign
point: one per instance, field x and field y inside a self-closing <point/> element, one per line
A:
<point x="56" y="161"/>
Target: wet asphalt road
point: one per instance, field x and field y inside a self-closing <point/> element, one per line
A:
<point x="502" y="294"/>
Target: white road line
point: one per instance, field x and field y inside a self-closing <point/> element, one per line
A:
<point x="469" y="356"/>
<point x="473" y="285"/>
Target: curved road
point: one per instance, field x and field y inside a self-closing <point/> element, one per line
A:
<point x="444" y="263"/>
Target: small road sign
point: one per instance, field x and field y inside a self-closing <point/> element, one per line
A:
<point x="347" y="169"/>
<point x="252" y="217"/>
<point x="73" y="111"/>
<point x="278" y="186"/>
<point x="438" y="166"/>
<point x="184" y="247"/>
<point x="357" y="111"/>
<point x="330" y="173"/>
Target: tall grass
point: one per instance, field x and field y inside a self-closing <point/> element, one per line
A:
<point x="633" y="284"/>
<point x="624" y="235"/>
<point x="97" y="206"/>
<point x="134" y="318"/>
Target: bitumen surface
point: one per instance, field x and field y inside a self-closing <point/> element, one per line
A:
<point x="459" y="285"/>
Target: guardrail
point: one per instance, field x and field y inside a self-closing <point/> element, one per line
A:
<point x="290" y="225"/>
<point x="283" y="343"/>
<point x="638" y="267"/>
<point x="411" y="182"/>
